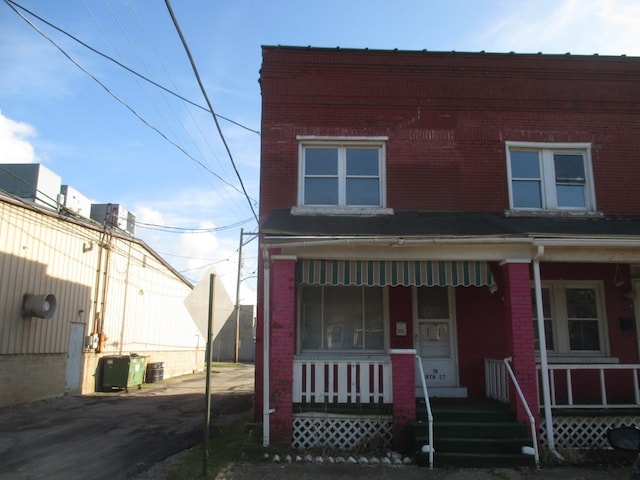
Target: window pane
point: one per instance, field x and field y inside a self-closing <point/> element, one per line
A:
<point x="569" y="168"/>
<point x="362" y="161"/>
<point x="345" y="318"/>
<point x="433" y="302"/>
<point x="524" y="164"/>
<point x="581" y="303"/>
<point x="570" y="179"/>
<point x="321" y="191"/>
<point x="527" y="194"/>
<point x="320" y="161"/>
<point x="363" y="191"/>
<point x="548" y="322"/>
<point x="311" y="318"/>
<point x="582" y="314"/>
<point x="571" y="196"/>
<point x="373" y="319"/>
<point x="583" y="335"/>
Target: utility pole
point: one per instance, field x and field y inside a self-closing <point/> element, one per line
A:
<point x="236" y="355"/>
<point x="207" y="407"/>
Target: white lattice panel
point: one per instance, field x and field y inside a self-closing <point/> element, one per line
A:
<point x="583" y="432"/>
<point x="341" y="432"/>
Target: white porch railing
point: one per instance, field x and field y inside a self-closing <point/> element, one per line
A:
<point x="496" y="380"/>
<point x="558" y="371"/>
<point x="497" y="375"/>
<point x="342" y="380"/>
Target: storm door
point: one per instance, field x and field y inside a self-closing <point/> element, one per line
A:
<point x="435" y="336"/>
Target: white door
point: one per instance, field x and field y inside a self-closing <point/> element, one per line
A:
<point x="74" y="358"/>
<point x="435" y="337"/>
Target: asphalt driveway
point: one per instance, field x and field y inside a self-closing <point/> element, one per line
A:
<point x="132" y="435"/>
<point x="117" y="435"/>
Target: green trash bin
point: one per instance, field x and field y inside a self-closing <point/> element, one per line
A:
<point x="123" y="371"/>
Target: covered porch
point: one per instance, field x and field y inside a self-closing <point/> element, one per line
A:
<point x="536" y="281"/>
<point x="343" y="397"/>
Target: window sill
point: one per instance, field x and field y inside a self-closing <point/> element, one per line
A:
<point x="342" y="211"/>
<point x="553" y="213"/>
<point x="588" y="359"/>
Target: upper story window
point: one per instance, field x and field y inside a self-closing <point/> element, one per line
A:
<point x="342" y="173"/>
<point x="550" y="176"/>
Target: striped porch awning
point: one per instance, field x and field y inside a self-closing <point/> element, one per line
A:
<point x="394" y="273"/>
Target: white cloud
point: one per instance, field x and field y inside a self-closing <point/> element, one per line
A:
<point x="14" y="141"/>
<point x="193" y="253"/>
<point x="605" y="27"/>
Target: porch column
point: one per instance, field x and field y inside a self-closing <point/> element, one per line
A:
<point x="403" y="363"/>
<point x="282" y="348"/>
<point x="520" y="338"/>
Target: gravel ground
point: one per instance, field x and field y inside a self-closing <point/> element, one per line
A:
<point x="379" y="472"/>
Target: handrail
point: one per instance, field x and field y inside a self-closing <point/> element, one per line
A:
<point x="534" y="436"/>
<point x="429" y="413"/>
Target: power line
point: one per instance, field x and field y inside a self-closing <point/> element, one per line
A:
<point x="168" y="229"/>
<point x="129" y="69"/>
<point x="128" y="107"/>
<point x="177" y="118"/>
<point x="206" y="97"/>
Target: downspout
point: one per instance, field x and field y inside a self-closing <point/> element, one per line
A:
<point x="544" y="365"/>
<point x="266" y="411"/>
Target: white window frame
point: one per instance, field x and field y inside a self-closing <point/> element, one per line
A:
<point x="342" y="143"/>
<point x="548" y="181"/>
<point x="560" y="320"/>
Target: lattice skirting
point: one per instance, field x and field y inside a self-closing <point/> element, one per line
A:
<point x="583" y="432"/>
<point x="342" y="432"/>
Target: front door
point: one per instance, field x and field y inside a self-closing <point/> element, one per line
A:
<point x="435" y="337"/>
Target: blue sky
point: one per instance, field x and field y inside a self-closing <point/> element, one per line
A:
<point x="53" y="113"/>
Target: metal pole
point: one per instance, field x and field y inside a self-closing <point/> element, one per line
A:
<point x="207" y="408"/>
<point x="544" y="366"/>
<point x="237" y="344"/>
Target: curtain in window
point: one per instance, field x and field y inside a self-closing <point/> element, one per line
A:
<point x="394" y="273"/>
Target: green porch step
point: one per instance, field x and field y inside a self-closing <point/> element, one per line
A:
<point x="473" y="433"/>
<point x="478" y="460"/>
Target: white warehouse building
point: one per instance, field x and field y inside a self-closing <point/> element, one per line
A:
<point x="73" y="291"/>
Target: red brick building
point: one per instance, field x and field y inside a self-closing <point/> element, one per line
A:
<point x="418" y="209"/>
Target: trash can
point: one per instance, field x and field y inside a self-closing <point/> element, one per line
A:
<point x="155" y="372"/>
<point x="122" y="371"/>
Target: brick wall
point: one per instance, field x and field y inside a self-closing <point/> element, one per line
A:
<point x="175" y="363"/>
<point x="282" y="348"/>
<point x="404" y="400"/>
<point x="43" y="376"/>
<point x="517" y="304"/>
<point x="447" y="116"/>
<point x="40" y="377"/>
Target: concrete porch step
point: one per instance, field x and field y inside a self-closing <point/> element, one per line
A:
<point x="472" y="433"/>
